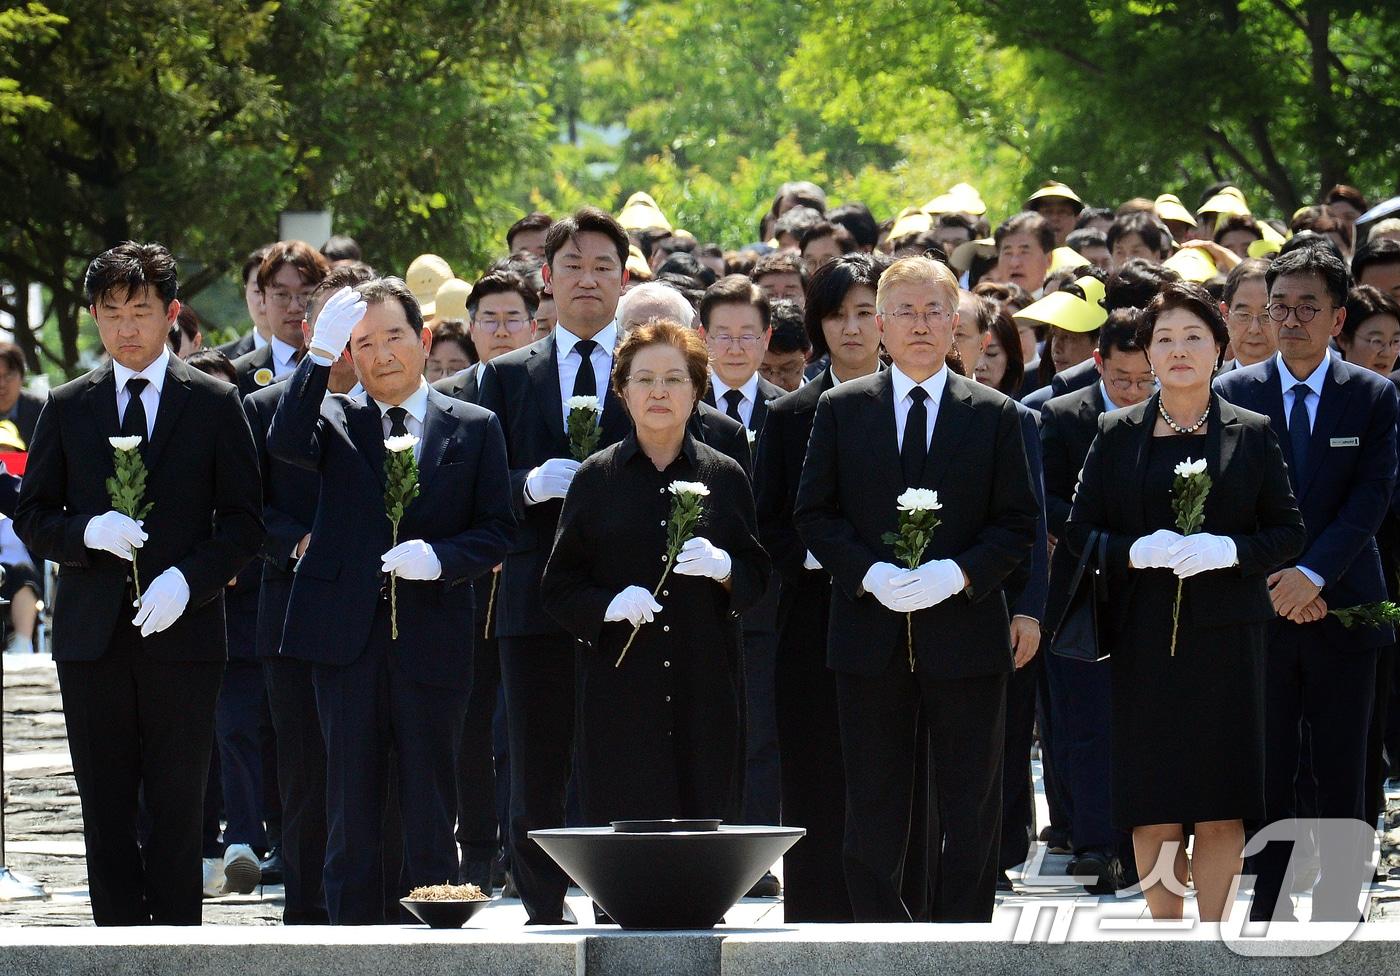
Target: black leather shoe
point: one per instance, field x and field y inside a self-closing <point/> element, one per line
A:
<point x="1056" y="840"/>
<point x="766" y="887"/>
<point x="1104" y="868"/>
<point x="1004" y="882"/>
<point x="272" y="867"/>
<point x="477" y="873"/>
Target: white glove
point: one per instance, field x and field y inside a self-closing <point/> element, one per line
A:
<point x="115" y="533"/>
<point x="412" y="560"/>
<point x="701" y="557"/>
<point x="878" y="582"/>
<point x="927" y="585"/>
<point x="341" y="313"/>
<point x="163" y="602"/>
<point x="811" y="561"/>
<point x="1154" y="551"/>
<point x="634" y="605"/>
<point x="1201" y="553"/>
<point x="550" y="480"/>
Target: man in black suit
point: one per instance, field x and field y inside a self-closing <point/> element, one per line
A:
<point x="919" y="426"/>
<point x="1336" y="423"/>
<point x="1079" y="712"/>
<point x="289" y="507"/>
<point x="585" y="267"/>
<point x="502" y="311"/>
<point x="736" y="325"/>
<point x="374" y="688"/>
<point x="289" y="272"/>
<point x="259" y="334"/>
<point x="17" y="404"/>
<point x="139" y="693"/>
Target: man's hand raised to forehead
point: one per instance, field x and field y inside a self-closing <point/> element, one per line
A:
<point x="342" y="312"/>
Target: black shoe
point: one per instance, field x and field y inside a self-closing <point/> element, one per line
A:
<point x="500" y="868"/>
<point x="766" y="887"/>
<point x="477" y="873"/>
<point x="1056" y="840"/>
<point x="1106" y="869"/>
<point x="1004" y="882"/>
<point x="272" y="867"/>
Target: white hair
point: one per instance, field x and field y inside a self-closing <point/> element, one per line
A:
<point x="651" y="300"/>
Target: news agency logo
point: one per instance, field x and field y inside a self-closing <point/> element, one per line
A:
<point x="1349" y="850"/>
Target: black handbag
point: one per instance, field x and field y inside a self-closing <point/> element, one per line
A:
<point x="1077" y="636"/>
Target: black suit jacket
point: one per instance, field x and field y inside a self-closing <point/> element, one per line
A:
<point x="1346" y="489"/>
<point x="522" y="389"/>
<point x="1249" y="501"/>
<point x="289" y="507"/>
<point x="247" y="367"/>
<point x="465" y="384"/>
<point x="462" y="511"/>
<point x="1068" y="426"/>
<point x="27" y="410"/>
<point x="767" y="393"/>
<point x="846" y="503"/>
<point x="241" y="346"/>
<point x="9" y="491"/>
<point x="782" y="447"/>
<point x="206" y="520"/>
<point x="723" y="433"/>
<point x="1077" y="377"/>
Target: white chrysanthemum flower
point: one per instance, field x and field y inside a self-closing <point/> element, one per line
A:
<point x="696" y="488"/>
<point x="1190" y="468"/>
<point x="919" y="500"/>
<point x="589" y="403"/>
<point x="404" y="442"/>
<point x="125" y="443"/>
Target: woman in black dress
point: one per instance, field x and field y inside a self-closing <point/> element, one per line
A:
<point x="659" y="734"/>
<point x="1188" y="727"/>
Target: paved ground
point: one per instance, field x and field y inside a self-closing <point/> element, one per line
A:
<point x="43" y="827"/>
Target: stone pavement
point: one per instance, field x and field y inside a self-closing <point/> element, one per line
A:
<point x="44" y="833"/>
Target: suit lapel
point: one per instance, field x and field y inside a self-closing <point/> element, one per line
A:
<point x="172" y="403"/>
<point x="366" y="428"/>
<point x="1222" y="438"/>
<point x="1271" y="404"/>
<point x="437" y="434"/>
<point x="1330" y="407"/>
<point x="882" y="437"/>
<point x="1146" y="423"/>
<point x="954" y="413"/>
<point x="102" y="400"/>
<point x="543" y="370"/>
<point x="616" y="424"/>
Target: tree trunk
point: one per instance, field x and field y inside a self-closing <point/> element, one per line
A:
<point x="1324" y="120"/>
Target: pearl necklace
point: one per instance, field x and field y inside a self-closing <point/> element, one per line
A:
<point x="1162" y="409"/>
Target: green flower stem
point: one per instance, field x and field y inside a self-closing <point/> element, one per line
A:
<point x="1176" y="612"/>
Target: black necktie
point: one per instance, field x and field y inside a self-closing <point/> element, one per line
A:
<point x="585" y="383"/>
<point x="1299" y="433"/>
<point x="914" y="451"/>
<point x="398" y="417"/>
<point x="134" y="420"/>
<point x="732" y="399"/>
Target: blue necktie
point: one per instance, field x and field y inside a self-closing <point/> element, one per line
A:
<point x="1299" y="433"/>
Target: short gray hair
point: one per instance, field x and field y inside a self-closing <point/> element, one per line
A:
<point x="653" y="300"/>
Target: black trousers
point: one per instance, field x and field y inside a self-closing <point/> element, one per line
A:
<point x="1082" y="717"/>
<point x="240" y="721"/>
<point x="301" y="776"/>
<point x="478" y="833"/>
<point x="762" y="800"/>
<point x="1017" y="790"/>
<point x="538" y="674"/>
<point x="966" y="721"/>
<point x="137" y="725"/>
<point x="1377" y="762"/>
<point x="368" y="708"/>
<point x="1331" y="689"/>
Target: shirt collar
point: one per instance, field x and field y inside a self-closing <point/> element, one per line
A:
<point x="154" y="373"/>
<point x="1108" y="403"/>
<point x="749" y="389"/>
<point x="1314" y="382"/>
<point x="564" y="340"/>
<point x="282" y="353"/>
<point x="629" y="448"/>
<point x="258" y="340"/>
<point x="416" y="404"/>
<point x="933" y="386"/>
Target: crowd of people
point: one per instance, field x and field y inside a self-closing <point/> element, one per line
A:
<point x="833" y="530"/>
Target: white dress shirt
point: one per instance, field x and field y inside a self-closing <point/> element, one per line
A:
<point x="283" y="362"/>
<point x="749" y="390"/>
<point x="150" y="396"/>
<point x="564" y="342"/>
<point x="1108" y="405"/>
<point x="933" y="386"/>
<point x="417" y="407"/>
<point x="1314" y="383"/>
<point x="258" y="340"/>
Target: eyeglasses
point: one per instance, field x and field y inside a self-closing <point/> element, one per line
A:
<point x="1122" y="384"/>
<point x="747" y="341"/>
<point x="1375" y="344"/>
<point x="1303" y="313"/>
<point x="671" y="384"/>
<point x="494" y="324"/>
<point x="284" y="297"/>
<point x="1242" y="318"/>
<point x="908" y="316"/>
